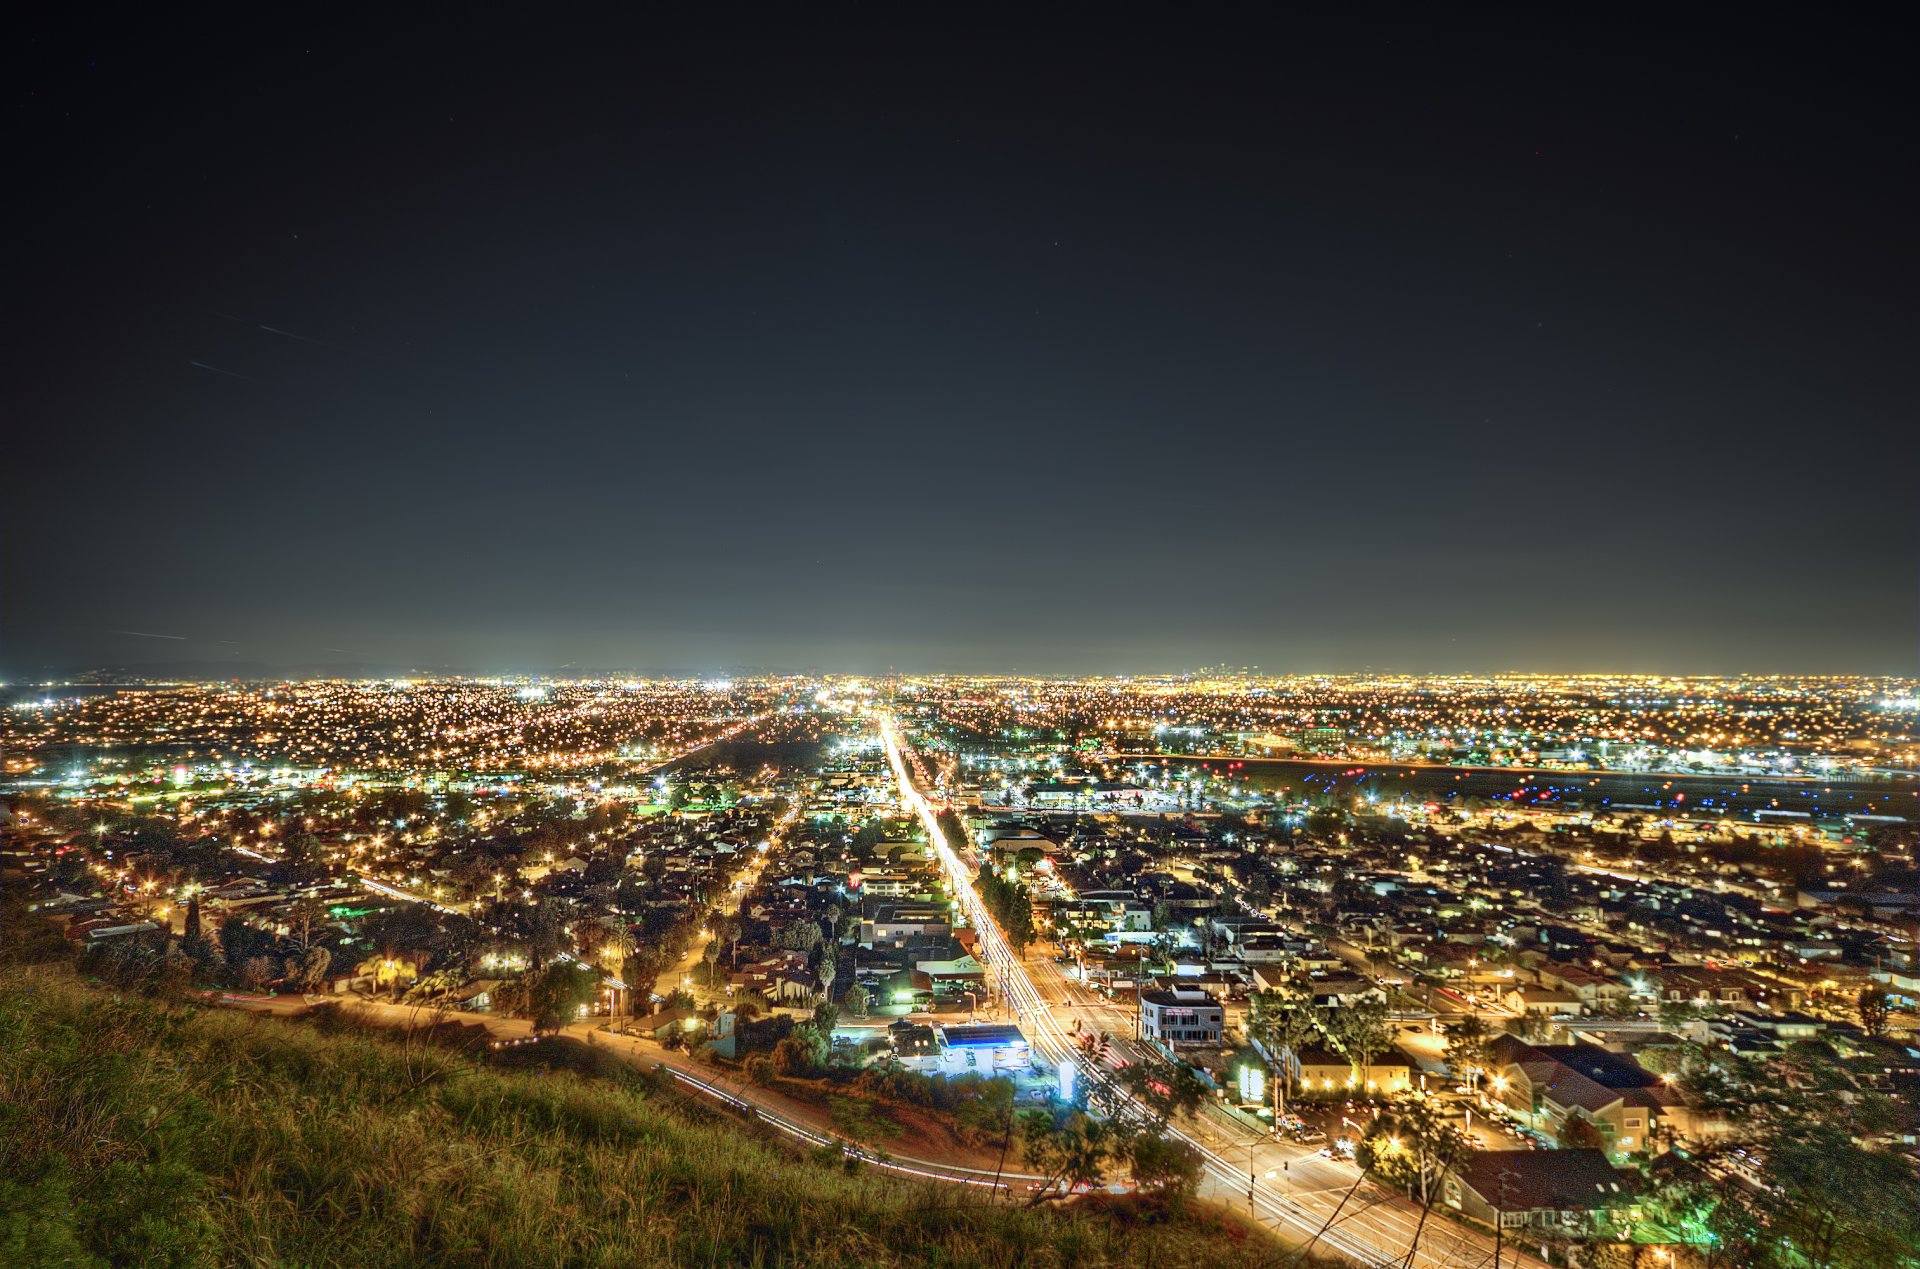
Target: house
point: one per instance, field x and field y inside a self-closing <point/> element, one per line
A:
<point x="887" y="882"/>
<point x="110" y="926"/>
<point x="1544" y="1002"/>
<point x="1551" y="1085"/>
<point x="1724" y="986"/>
<point x="1321" y="1069"/>
<point x="782" y="978"/>
<point x="1594" y="990"/>
<point x="896" y="922"/>
<point x="1182" y="1015"/>
<point x="655" y="1026"/>
<point x="1570" y="1193"/>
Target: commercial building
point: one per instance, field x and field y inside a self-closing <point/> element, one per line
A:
<point x="980" y="1049"/>
<point x="1181" y="1015"/>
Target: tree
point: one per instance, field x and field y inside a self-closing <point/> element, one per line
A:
<point x="1068" y="1151"/>
<point x="240" y="941"/>
<point x="1579" y="1133"/>
<point x="1412" y="1146"/>
<point x="792" y="1057"/>
<point x="1325" y="821"/>
<point x="1165" y="1091"/>
<point x="301" y="918"/>
<point x="1675" y="1014"/>
<point x="1010" y="905"/>
<point x="1469" y="1049"/>
<point x="256" y="972"/>
<point x="558" y="993"/>
<point x="313" y="968"/>
<point x="799" y="936"/>
<point x="604" y="936"/>
<point x="1283" y="1019"/>
<point x="1018" y="925"/>
<point x="829" y="970"/>
<point x="546" y="931"/>
<point x="1874" y="1005"/>
<point x="1360" y="1031"/>
<point x="301" y="855"/>
<point x="1165" y="1166"/>
<point x="1841" y="1205"/>
<point x="192" y="938"/>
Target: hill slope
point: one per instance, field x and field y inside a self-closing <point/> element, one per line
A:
<point x="134" y="1133"/>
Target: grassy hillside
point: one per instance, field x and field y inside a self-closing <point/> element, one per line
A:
<point x="139" y="1134"/>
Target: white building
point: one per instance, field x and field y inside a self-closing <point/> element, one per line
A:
<point x="1183" y="1015"/>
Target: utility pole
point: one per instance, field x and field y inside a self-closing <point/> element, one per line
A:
<point x="1500" y="1217"/>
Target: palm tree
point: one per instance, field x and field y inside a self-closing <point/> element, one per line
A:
<point x="829" y="970"/>
<point x="1283" y="1019"/>
<point x="1361" y="1032"/>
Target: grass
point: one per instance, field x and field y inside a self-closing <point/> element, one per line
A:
<point x="861" y="1120"/>
<point x="135" y="1133"/>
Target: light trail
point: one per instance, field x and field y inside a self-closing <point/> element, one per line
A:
<point x="405" y="896"/>
<point x="950" y="1173"/>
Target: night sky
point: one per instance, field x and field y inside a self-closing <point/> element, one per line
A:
<point x="1532" y="342"/>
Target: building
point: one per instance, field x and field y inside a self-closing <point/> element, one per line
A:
<point x="1182" y="1015"/>
<point x="1322" y="1070"/>
<point x="982" y="1049"/>
<point x="949" y="968"/>
<point x="1551" y="1085"/>
<point x="1544" y="1002"/>
<point x="1322" y="739"/>
<point x="1570" y="1193"/>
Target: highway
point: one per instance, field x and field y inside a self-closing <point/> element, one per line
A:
<point x="1284" y="1186"/>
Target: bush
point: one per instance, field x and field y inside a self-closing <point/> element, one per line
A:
<point x="791" y="1058"/>
<point x="1165" y="1166"/>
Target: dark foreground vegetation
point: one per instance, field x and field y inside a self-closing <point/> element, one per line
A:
<point x="138" y="1132"/>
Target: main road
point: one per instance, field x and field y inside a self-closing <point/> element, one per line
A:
<point x="1283" y="1185"/>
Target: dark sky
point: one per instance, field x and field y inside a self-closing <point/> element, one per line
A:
<point x="1531" y="341"/>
